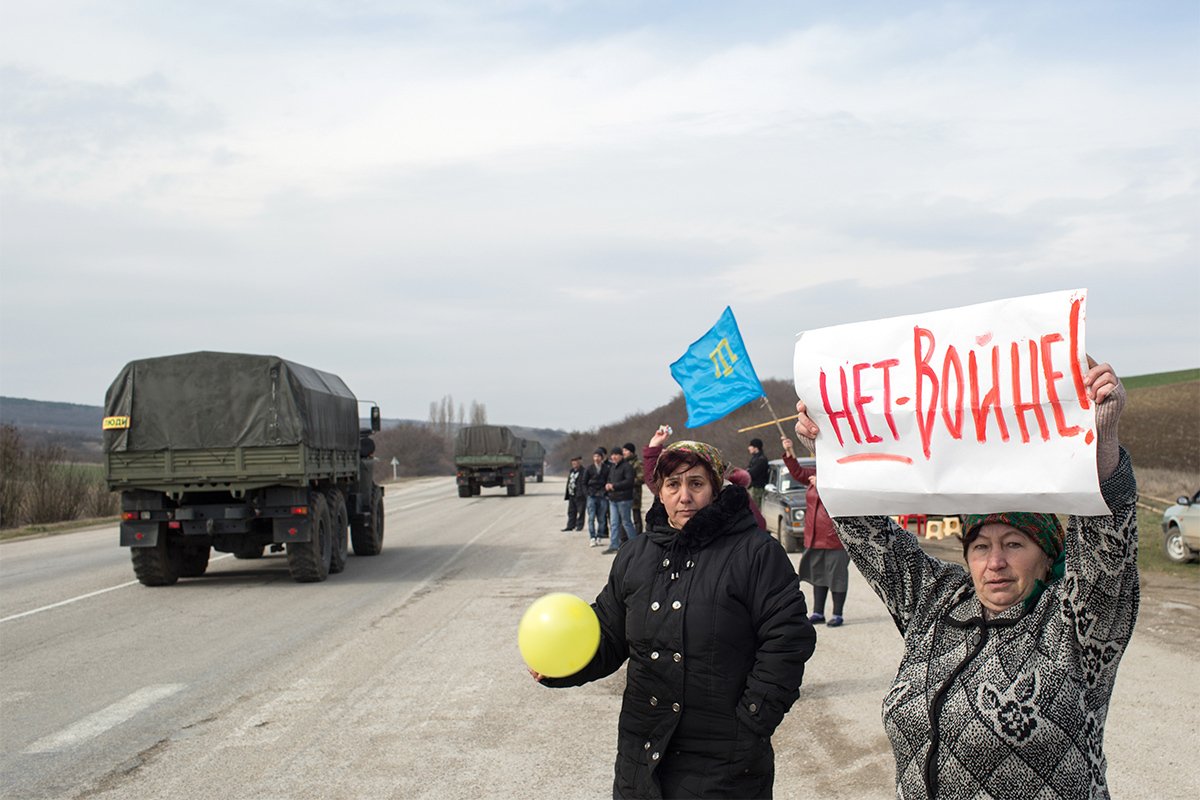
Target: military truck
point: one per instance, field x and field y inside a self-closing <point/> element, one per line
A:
<point x="533" y="459"/>
<point x="239" y="453"/>
<point x="488" y="455"/>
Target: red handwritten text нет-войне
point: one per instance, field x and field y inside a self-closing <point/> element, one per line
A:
<point x="964" y="396"/>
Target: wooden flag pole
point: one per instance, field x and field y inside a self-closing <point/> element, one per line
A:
<point x="767" y="402"/>
<point x="765" y="424"/>
<point x="775" y="421"/>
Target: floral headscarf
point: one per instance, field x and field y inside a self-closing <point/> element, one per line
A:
<point x="705" y="452"/>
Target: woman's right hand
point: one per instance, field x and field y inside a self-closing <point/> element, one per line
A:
<point x="788" y="449"/>
<point x="660" y="436"/>
<point x="805" y="427"/>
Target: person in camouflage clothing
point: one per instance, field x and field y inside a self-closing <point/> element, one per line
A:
<point x="639" y="479"/>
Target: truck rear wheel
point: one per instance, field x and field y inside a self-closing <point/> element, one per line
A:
<point x="368" y="537"/>
<point x="341" y="536"/>
<point x="157" y="565"/>
<point x="193" y="560"/>
<point x="464" y="490"/>
<point x="309" y="561"/>
<point x="511" y="489"/>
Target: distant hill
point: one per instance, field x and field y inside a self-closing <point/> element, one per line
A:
<point x="1160" y="426"/>
<point x="77" y="427"/>
<point x="44" y="416"/>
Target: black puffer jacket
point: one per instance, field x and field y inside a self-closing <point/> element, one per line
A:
<point x="716" y="631"/>
<point x="621" y="475"/>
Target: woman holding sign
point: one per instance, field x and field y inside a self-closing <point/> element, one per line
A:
<point x="707" y="611"/>
<point x="1009" y="662"/>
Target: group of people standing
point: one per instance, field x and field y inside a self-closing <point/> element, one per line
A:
<point x="1009" y="658"/>
<point x="608" y="493"/>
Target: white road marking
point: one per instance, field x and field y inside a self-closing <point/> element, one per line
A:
<point x="60" y="603"/>
<point x="419" y="503"/>
<point x="105" y="719"/>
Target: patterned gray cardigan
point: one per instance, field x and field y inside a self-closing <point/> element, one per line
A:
<point x="1013" y="706"/>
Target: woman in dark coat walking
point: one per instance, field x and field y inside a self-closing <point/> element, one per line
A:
<point x="706" y="608"/>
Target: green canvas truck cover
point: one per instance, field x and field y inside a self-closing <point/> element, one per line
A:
<point x="195" y="401"/>
<point x="486" y="440"/>
<point x="533" y="452"/>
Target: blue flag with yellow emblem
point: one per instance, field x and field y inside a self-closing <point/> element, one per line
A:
<point x="716" y="374"/>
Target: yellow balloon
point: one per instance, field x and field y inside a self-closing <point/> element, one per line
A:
<point x="558" y="635"/>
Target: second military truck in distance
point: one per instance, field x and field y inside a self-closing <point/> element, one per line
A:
<point x="237" y="453"/>
<point x="533" y="459"/>
<point x="488" y="455"/>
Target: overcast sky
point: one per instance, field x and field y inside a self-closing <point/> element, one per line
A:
<point x="538" y="204"/>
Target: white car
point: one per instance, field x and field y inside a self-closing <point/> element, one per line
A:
<point x="1181" y="527"/>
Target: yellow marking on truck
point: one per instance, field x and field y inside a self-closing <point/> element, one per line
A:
<point x="116" y="423"/>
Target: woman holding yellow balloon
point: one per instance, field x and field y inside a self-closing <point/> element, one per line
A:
<point x="706" y="607"/>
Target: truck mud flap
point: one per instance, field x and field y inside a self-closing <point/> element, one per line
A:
<point x="291" y="529"/>
<point x="139" y="534"/>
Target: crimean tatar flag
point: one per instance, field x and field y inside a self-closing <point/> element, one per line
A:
<point x="716" y="374"/>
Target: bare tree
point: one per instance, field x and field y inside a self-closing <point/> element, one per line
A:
<point x="12" y="482"/>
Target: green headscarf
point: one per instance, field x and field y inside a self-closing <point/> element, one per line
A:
<point x="1045" y="529"/>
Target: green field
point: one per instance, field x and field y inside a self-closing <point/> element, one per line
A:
<point x="1161" y="379"/>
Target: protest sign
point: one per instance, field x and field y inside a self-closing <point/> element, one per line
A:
<point x="977" y="409"/>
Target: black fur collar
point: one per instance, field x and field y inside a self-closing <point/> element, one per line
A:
<point x="729" y="514"/>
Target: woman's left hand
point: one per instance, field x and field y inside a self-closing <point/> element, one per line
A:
<point x="1100" y="381"/>
<point x="660" y="436"/>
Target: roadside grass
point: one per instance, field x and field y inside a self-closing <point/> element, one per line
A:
<point x="55" y="528"/>
<point x="1151" y="556"/>
<point x="1157" y="489"/>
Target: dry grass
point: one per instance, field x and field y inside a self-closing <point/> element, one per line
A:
<point x="1159" y="486"/>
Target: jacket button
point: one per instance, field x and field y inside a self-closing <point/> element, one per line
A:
<point x="754" y="708"/>
<point x="677" y="605"/>
<point x="675" y="707"/>
<point x="653" y="701"/>
<point x="666" y="562"/>
<point x="654" y="756"/>
<point x="678" y="656"/>
<point x="690" y="563"/>
<point x="654" y="606"/>
<point x="654" y="656"/>
<point x="646" y="746"/>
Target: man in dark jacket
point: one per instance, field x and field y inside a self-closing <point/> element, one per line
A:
<point x="620" y="501"/>
<point x="576" y="496"/>
<point x="759" y="469"/>
<point x="594" y="478"/>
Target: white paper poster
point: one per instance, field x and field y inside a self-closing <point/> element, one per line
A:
<point x="977" y="409"/>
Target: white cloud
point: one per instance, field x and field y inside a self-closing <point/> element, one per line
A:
<point x="424" y="170"/>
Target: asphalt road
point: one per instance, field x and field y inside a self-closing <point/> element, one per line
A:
<point x="400" y="678"/>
